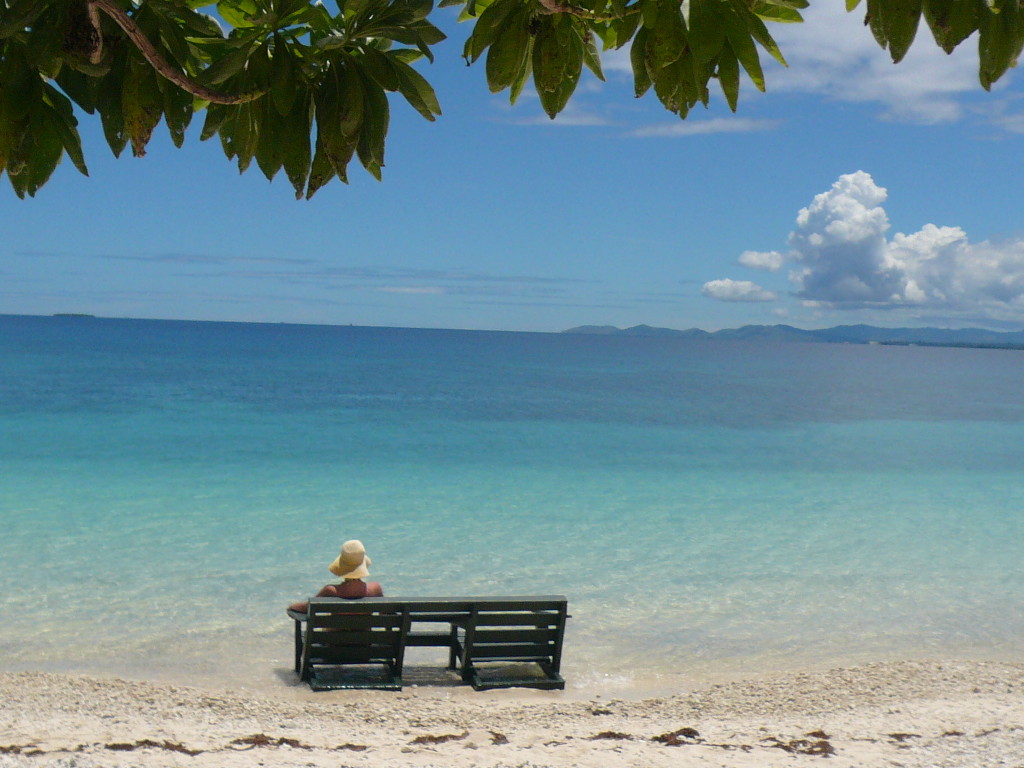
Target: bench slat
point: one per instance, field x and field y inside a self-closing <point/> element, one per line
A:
<point x="518" y="620"/>
<point x="382" y="638"/>
<point x="516" y="634"/>
<point x="510" y="651"/>
<point x="348" y="621"/>
<point x="332" y="655"/>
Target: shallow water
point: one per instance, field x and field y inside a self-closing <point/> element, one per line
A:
<point x="167" y="488"/>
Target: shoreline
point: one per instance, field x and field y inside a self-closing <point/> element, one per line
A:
<point x="273" y="677"/>
<point x="917" y="713"/>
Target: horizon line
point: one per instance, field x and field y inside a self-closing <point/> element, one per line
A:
<point x="88" y="316"/>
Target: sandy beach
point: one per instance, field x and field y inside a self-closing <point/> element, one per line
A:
<point x="906" y="714"/>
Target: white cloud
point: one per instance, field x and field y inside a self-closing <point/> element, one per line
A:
<point x="736" y="290"/>
<point x="833" y="54"/>
<point x="842" y="259"/>
<point x="840" y="244"/>
<point x="696" y="127"/>
<point x="769" y="260"/>
<point x="572" y="116"/>
<point x="432" y="290"/>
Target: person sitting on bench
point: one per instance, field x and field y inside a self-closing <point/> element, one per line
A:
<point x="352" y="567"/>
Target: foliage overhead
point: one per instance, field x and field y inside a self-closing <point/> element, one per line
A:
<point x="299" y="86"/>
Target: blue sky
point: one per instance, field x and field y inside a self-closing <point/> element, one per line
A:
<point x="855" y="190"/>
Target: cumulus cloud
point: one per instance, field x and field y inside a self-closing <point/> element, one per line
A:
<point x="736" y="290"/>
<point x="770" y="260"/>
<point x="841" y="258"/>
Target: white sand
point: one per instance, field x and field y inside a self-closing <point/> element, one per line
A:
<point x="956" y="714"/>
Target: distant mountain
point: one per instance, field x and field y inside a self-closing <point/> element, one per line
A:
<point x="840" y="334"/>
<point x="598" y="330"/>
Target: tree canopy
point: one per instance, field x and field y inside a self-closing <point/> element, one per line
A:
<point x="304" y="85"/>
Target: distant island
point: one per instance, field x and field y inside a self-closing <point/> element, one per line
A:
<point x="840" y="334"/>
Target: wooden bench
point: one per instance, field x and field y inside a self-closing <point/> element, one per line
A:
<point x="341" y="634"/>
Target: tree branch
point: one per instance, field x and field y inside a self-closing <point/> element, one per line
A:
<point x="561" y="6"/>
<point x="158" y="62"/>
<point x="96" y="54"/>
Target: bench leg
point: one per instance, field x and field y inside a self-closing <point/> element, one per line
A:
<point x="453" y="644"/>
<point x="298" y="647"/>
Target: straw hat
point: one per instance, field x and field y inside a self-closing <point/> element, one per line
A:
<point x="352" y="562"/>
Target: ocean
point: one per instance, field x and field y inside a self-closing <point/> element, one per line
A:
<point x="710" y="508"/>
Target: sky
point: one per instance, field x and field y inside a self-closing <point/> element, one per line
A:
<point x="853" y="191"/>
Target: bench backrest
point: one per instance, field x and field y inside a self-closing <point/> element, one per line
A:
<point x="500" y="630"/>
<point x="353" y="632"/>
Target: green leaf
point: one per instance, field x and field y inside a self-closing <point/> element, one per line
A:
<point x="650" y="10"/>
<point x="227" y="66"/>
<point x="294" y="138"/>
<point x="238" y="13"/>
<point x="216" y="114"/>
<point x="1000" y="40"/>
<point x="374" y="129"/>
<point x="45" y="152"/>
<point x="333" y="42"/>
<point x="951" y="21"/>
<point x="284" y="86"/>
<point x="417" y="91"/>
<point x="177" y="105"/>
<point x="56" y="109"/>
<point x="79" y="87"/>
<point x="668" y="87"/>
<point x="19" y="15"/>
<point x="570" y="79"/>
<point x="379" y="68"/>
<point x="20" y="88"/>
<point x="778" y="13"/>
<point x="705" y="33"/>
<point x="506" y="54"/>
<point x="548" y="57"/>
<point x="332" y="110"/>
<point x="591" y="56"/>
<point x="739" y="39"/>
<point x="875" y="21"/>
<point x="625" y="28"/>
<point x="557" y="63"/>
<point x="244" y="138"/>
<point x="523" y="75"/>
<point x="201" y="23"/>
<point x="71" y="141"/>
<point x="141" y="104"/>
<point x="321" y="171"/>
<point x="729" y="76"/>
<point x="108" y="102"/>
<point x="269" y="144"/>
<point x="174" y="41"/>
<point x="487" y="27"/>
<point x="351" y="100"/>
<point x="638" y="59"/>
<point x="898" y="20"/>
<point x="758" y="30"/>
<point x="667" y="38"/>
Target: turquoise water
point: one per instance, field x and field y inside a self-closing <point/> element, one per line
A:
<point x="166" y="488"/>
